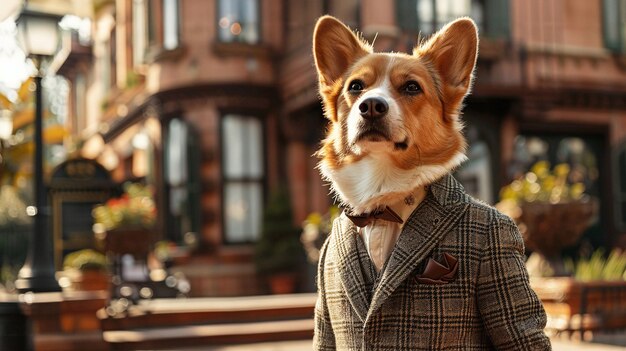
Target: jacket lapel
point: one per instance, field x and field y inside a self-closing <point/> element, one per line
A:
<point x="443" y="206"/>
<point x="350" y="270"/>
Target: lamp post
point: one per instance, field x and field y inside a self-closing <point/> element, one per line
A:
<point x="39" y="36"/>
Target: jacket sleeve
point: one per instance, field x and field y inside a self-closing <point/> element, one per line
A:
<point x="510" y="310"/>
<point x="324" y="338"/>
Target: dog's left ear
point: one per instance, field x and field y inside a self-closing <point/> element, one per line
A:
<point x="453" y="51"/>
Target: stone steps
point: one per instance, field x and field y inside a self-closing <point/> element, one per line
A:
<point x="168" y="323"/>
<point x="217" y="334"/>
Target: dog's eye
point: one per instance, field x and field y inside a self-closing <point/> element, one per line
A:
<point x="356" y="86"/>
<point x="412" y="88"/>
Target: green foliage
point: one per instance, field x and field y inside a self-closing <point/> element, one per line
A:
<point x="279" y="249"/>
<point x="315" y="230"/>
<point x="599" y="266"/>
<point x="86" y="259"/>
<point x="135" y="208"/>
<point x="12" y="207"/>
<point x="132" y="79"/>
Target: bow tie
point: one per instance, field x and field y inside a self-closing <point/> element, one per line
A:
<point x="364" y="219"/>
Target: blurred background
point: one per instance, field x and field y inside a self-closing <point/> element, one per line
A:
<point x="173" y="173"/>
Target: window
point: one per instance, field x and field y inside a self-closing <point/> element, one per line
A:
<point x="140" y="35"/>
<point x="170" y="24"/>
<point x="156" y="28"/>
<point x="476" y="173"/>
<point x="238" y="21"/>
<point x="427" y="16"/>
<point x="106" y="67"/>
<point x="243" y="171"/>
<point x="80" y="87"/>
<point x="613" y="24"/>
<point x="182" y="175"/>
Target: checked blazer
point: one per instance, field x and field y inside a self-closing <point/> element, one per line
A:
<point x="489" y="305"/>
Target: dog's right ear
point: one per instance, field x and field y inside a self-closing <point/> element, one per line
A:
<point x="335" y="49"/>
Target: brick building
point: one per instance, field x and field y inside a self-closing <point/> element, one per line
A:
<point x="215" y="103"/>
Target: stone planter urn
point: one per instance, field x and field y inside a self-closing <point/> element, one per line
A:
<point x="549" y="228"/>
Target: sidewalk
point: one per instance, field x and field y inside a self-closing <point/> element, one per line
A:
<point x="305" y="345"/>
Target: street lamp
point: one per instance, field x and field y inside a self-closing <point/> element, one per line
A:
<point x="39" y="36"/>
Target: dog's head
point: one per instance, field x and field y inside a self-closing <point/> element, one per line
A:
<point x="394" y="118"/>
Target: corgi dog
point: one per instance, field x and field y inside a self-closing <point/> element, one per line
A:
<point x="414" y="262"/>
<point x="394" y="117"/>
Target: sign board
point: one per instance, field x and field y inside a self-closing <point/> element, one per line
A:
<point x="76" y="186"/>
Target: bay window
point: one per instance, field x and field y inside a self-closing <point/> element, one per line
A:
<point x="243" y="177"/>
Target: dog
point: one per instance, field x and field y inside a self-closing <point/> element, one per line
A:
<point x="413" y="262"/>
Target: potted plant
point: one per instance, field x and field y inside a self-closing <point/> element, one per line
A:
<point x="124" y="223"/>
<point x="315" y="230"/>
<point x="278" y="252"/>
<point x="551" y="212"/>
<point x="123" y="227"/>
<point x="87" y="270"/>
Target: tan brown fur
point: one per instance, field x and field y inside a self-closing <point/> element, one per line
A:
<point x="443" y="68"/>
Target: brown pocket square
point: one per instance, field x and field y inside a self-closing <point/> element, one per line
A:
<point x="439" y="273"/>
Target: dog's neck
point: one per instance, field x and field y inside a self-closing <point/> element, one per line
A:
<point x="374" y="182"/>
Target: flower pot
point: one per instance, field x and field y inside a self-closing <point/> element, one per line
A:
<point x="284" y="283"/>
<point x="549" y="228"/>
<point x="92" y="280"/>
<point x="74" y="279"/>
<point x="133" y="241"/>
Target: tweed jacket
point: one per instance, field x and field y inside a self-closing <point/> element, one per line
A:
<point x="489" y="305"/>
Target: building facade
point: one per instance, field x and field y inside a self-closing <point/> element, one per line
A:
<point x="215" y="104"/>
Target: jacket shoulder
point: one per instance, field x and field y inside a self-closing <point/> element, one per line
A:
<point x="495" y="225"/>
<point x="482" y="212"/>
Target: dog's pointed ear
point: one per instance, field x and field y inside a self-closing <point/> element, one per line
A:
<point x="335" y="49"/>
<point x="453" y="51"/>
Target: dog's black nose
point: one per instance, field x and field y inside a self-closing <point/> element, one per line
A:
<point x="373" y="108"/>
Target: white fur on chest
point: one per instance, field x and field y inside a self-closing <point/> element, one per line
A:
<point x="375" y="181"/>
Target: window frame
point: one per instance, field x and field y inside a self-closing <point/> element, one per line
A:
<point x="193" y="180"/>
<point x="618" y="44"/>
<point x="618" y="175"/>
<point x="177" y="26"/>
<point x="262" y="180"/>
<point x="79" y="85"/>
<point x="495" y="18"/>
<point x="259" y="18"/>
<point x="139" y="46"/>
